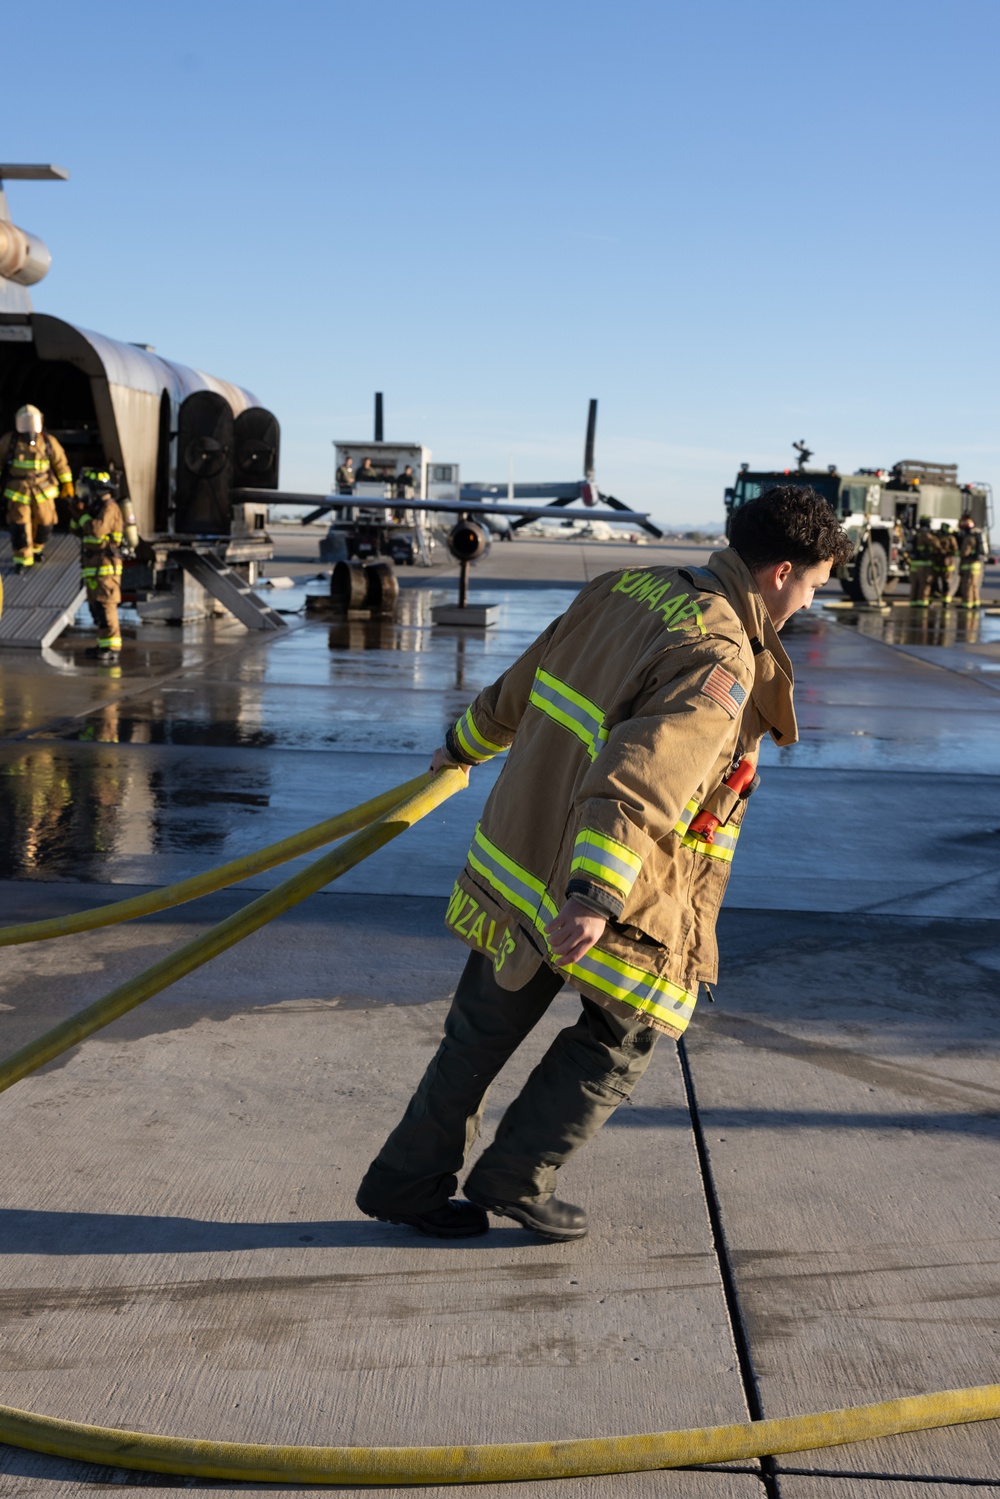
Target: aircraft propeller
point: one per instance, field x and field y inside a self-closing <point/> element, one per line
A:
<point x="589" y="492"/>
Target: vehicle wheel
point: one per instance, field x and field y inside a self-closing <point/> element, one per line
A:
<point x="871" y="574"/>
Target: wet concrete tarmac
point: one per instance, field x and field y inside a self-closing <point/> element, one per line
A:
<point x="180" y="1248"/>
<point x="212" y="742"/>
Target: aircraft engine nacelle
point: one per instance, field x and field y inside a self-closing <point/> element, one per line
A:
<point x="467" y="541"/>
<point x="24" y="258"/>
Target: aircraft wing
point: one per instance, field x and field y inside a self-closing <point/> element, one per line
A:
<point x="448" y="507"/>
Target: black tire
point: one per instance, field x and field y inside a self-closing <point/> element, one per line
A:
<point x="870" y="575"/>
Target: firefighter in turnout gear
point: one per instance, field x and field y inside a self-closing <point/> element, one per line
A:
<point x="35" y="472"/>
<point x="944" y="562"/>
<point x="971" y="557"/>
<point x="633" y="725"/>
<point x="99" y="524"/>
<point x="923" y="556"/>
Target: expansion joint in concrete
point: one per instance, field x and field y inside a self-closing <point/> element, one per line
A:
<point x="741" y="1342"/>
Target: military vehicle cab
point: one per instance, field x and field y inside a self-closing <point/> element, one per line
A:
<point x="879" y="509"/>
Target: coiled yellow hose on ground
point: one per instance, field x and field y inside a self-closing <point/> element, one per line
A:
<point x="213" y="879"/>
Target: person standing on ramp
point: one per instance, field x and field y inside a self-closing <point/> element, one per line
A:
<point x="35" y="473"/>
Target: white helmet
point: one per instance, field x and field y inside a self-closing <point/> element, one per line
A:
<point x="29" y="420"/>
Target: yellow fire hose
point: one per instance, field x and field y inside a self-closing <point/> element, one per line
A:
<point x="213" y="879"/>
<point x="193" y="954"/>
<point x="490" y="1463"/>
<point x="499" y="1462"/>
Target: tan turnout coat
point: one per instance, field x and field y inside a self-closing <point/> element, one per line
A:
<point x="33" y="474"/>
<point x="623" y="720"/>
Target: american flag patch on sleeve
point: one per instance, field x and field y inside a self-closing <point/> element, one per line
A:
<point x="722" y="687"/>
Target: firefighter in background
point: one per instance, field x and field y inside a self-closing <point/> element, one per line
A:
<point x="35" y="472"/>
<point x="99" y="523"/>
<point x="944" y="562"/>
<point x="971" y="557"/>
<point x="923" y="556"/>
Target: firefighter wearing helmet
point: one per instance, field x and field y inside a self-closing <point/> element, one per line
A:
<point x="99" y="524"/>
<point x="972" y="556"/>
<point x="35" y="472"/>
<point x="923" y="557"/>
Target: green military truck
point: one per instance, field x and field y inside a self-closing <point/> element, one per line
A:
<point x="879" y="509"/>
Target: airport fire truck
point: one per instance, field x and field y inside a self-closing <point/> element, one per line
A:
<point x="879" y="509"/>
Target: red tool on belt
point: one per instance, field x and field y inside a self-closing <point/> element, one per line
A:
<point x="742" y="781"/>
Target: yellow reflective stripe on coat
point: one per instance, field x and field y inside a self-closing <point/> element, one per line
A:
<point x="475" y="744"/>
<point x="723" y="844"/>
<point x="687" y="817"/>
<point x="627" y="982"/>
<point x="27" y="496"/>
<point x="31" y="465"/>
<point x="634" y="986"/>
<point x="606" y="859"/>
<point x="523" y="890"/>
<point x="565" y="706"/>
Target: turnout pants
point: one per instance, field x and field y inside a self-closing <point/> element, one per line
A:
<point x="970" y="583"/>
<point x="583" y="1077"/>
<point x="920" y="581"/>
<point x="103" y="597"/>
<point x="944" y="580"/>
<point x="30" y="523"/>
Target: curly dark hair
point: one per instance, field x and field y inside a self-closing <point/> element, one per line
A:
<point x="789" y="523"/>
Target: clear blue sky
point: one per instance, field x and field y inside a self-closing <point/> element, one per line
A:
<point x="736" y="224"/>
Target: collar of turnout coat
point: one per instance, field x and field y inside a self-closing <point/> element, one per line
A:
<point x="727" y="574"/>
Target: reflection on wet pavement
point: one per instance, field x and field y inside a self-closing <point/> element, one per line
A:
<point x="377" y="685"/>
<point x="959" y="639"/>
<point x="214" y="742"/>
<point x="935" y="626"/>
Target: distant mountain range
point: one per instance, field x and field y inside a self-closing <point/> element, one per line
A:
<point x="706" y="527"/>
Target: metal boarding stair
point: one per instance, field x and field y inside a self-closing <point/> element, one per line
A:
<point x="226" y="585"/>
<point x="41" y="601"/>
